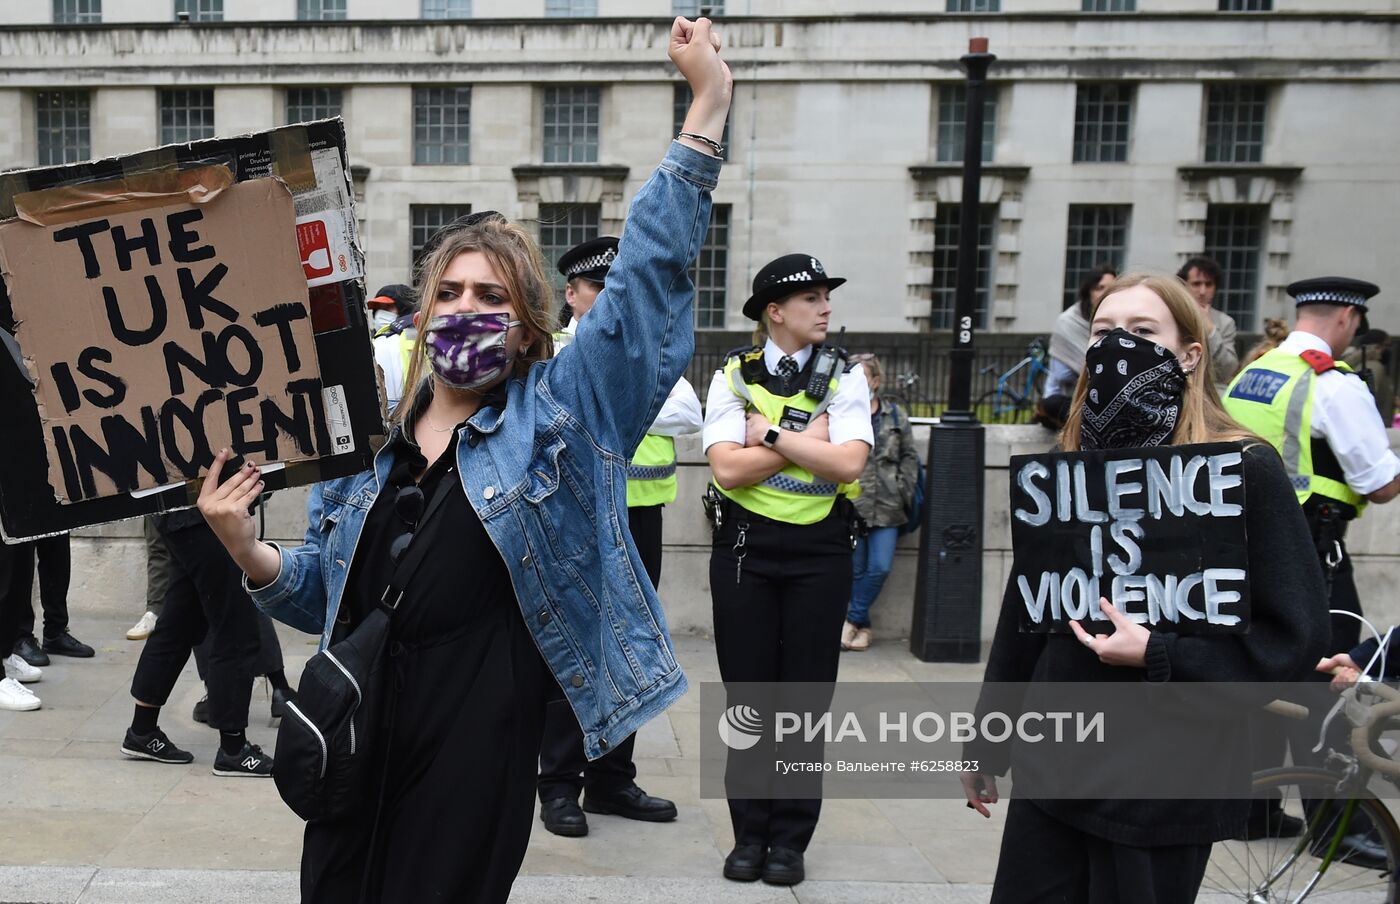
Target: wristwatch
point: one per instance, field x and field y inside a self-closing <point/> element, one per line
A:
<point x="771" y="436"/>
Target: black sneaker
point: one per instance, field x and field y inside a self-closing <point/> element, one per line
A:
<point x="201" y="710"/>
<point x="154" y="746"/>
<point x="250" y="762"/>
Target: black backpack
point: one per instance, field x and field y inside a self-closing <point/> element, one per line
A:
<point x="325" y="742"/>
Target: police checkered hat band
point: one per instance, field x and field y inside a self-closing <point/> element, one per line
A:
<point x="593" y="262"/>
<point x="1355" y="298"/>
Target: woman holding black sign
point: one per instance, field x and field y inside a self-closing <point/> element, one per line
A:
<point x="509" y="466"/>
<point x="1145" y="384"/>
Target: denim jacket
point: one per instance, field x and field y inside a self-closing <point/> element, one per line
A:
<point x="547" y="476"/>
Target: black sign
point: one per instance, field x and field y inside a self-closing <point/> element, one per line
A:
<point x="1158" y="532"/>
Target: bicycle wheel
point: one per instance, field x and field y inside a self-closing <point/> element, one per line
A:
<point x="1004" y="407"/>
<point x="1274" y="870"/>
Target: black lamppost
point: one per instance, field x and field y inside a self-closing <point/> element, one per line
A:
<point x="948" y="597"/>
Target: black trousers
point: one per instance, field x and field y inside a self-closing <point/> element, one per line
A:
<point x="205" y="598"/>
<point x="1346" y="631"/>
<point x="55" y="572"/>
<point x="778" y="617"/>
<point x="1044" y="861"/>
<point x="267" y="660"/>
<point x="564" y="768"/>
<point x="10" y="602"/>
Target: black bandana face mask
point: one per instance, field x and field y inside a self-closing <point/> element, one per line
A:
<point x="1135" y="389"/>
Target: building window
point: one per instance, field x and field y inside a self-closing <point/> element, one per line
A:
<point x="1235" y="123"/>
<point x="1235" y="239"/>
<point x="1246" y="6"/>
<point x="974" y="6"/>
<point x="945" y="263"/>
<point x="186" y="114"/>
<point x="1098" y="234"/>
<point x="320" y="10"/>
<point x="1103" y="116"/>
<point x="199" y="10"/>
<point x="711" y="272"/>
<point x="571" y="124"/>
<point x="952" y="117"/>
<point x="63" y="121"/>
<point x="426" y="219"/>
<point x="576" y="9"/>
<point x="77" y="12"/>
<point x="447" y="9"/>
<point x="307" y="104"/>
<point x="680" y="105"/>
<point x="562" y="226"/>
<point x="692" y="8"/>
<point x="1110" y="6"/>
<point x="442" y="125"/>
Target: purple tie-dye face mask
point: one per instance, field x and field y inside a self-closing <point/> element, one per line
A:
<point x="468" y="351"/>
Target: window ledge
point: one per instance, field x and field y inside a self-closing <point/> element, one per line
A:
<point x="1251" y="170"/>
<point x="923" y="171"/>
<point x="545" y="170"/>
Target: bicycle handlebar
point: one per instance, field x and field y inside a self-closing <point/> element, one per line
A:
<point x="1362" y="735"/>
<point x="1296" y="711"/>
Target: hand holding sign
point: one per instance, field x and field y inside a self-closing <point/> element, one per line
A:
<point x="1127" y="645"/>
<point x="980" y="790"/>
<point x="224" y="505"/>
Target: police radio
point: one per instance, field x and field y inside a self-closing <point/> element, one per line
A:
<point x="829" y="358"/>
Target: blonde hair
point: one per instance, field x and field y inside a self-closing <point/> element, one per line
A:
<point x="1275" y="331"/>
<point x="516" y="259"/>
<point x="1203" y="418"/>
<point x="871" y="363"/>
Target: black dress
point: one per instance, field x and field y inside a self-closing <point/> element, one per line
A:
<point x="456" y="757"/>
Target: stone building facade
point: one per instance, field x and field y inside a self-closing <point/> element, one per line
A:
<point x="1264" y="132"/>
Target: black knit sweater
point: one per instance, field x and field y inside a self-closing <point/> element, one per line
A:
<point x="1289" y="630"/>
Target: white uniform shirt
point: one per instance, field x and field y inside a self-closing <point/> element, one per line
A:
<point x="680" y="413"/>
<point x="1344" y="413"/>
<point x="849" y="413"/>
<point x="389" y="357"/>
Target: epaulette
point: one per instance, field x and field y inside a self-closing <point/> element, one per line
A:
<point x="751" y="366"/>
<point x="1319" y="361"/>
<point x="742" y="350"/>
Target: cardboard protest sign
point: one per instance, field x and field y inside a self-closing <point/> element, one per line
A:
<point x="1160" y="532"/>
<point x="161" y="306"/>
<point x="184" y="328"/>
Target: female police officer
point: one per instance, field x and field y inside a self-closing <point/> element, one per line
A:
<point x="787" y="430"/>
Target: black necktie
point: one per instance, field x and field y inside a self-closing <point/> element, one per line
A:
<point x="787" y="369"/>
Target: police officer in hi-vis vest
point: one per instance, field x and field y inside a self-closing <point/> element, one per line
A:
<point x="609" y="783"/>
<point x="787" y="433"/>
<point x="1323" y="420"/>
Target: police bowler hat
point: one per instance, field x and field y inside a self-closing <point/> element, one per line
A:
<point x="784" y="276"/>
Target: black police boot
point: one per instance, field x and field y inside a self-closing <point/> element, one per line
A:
<point x="66" y="644"/>
<point x="744" y="863"/>
<point x="784" y="866"/>
<point x="27" y="648"/>
<point x="630" y="803"/>
<point x="563" y="817"/>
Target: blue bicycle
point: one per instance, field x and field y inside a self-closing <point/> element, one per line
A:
<point x="1017" y="390"/>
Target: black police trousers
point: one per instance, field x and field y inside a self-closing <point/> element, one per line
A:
<point x="11" y="602"/>
<point x="564" y="768"/>
<point x="778" y="614"/>
<point x="206" y="598"/>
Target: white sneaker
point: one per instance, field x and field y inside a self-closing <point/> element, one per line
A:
<point x="16" y="697"/>
<point x="143" y="628"/>
<point x="19" y="670"/>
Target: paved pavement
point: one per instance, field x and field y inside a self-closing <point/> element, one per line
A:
<point x="79" y="823"/>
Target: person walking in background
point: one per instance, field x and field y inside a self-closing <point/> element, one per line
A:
<point x="886" y="491"/>
<point x="157" y="580"/>
<point x="55" y="566"/>
<point x="1275" y="331"/>
<point x="1067" y="344"/>
<point x="1203" y="277"/>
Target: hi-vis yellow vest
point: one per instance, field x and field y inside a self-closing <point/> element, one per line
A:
<point x="794" y="494"/>
<point x="651" y="475"/>
<point x="1273" y="397"/>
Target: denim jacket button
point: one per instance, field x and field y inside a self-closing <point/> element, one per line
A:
<point x="473" y="438"/>
<point x="525" y="562"/>
<point x="576" y="681"/>
<point x="545" y="617"/>
<point x="602" y="743"/>
<point x="488" y="493"/>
